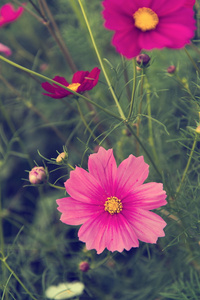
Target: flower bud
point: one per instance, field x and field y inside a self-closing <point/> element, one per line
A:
<point x="37" y="175"/>
<point x="62" y="157"/>
<point x="198" y="129"/>
<point x="143" y="60"/>
<point x="171" y="69"/>
<point x="84" y="266"/>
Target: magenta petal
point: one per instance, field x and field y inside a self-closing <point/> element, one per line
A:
<point x="9" y="14"/>
<point x="132" y="172"/>
<point x="84" y="187"/>
<point x="6" y="50"/>
<point x="123" y="41"/>
<point x="75" y="212"/>
<point x="61" y="80"/>
<point x="106" y="231"/>
<point x="146" y="196"/>
<point x="103" y="167"/>
<point x="79" y="76"/>
<point x="90" y="80"/>
<point x="147" y="225"/>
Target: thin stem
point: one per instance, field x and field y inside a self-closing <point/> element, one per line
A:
<point x="17" y="278"/>
<point x="133" y="90"/>
<point x="192" y="61"/>
<point x="139" y="111"/>
<point x="56" y="186"/>
<point x="57" y="36"/>
<point x="188" y="164"/>
<point x="85" y="123"/>
<point x="151" y="139"/>
<point x="59" y="84"/>
<point x="145" y="150"/>
<point x="101" y="63"/>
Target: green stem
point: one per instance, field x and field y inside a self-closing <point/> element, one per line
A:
<point x="188" y="164"/>
<point x="56" y="186"/>
<point x="17" y="278"/>
<point x="133" y="90"/>
<point x="139" y="111"/>
<point x="192" y="61"/>
<point x="101" y="63"/>
<point x="151" y="139"/>
<point x="59" y="84"/>
<point x="85" y="123"/>
<point x="145" y="150"/>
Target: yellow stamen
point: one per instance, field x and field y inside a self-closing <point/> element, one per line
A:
<point x="145" y="19"/>
<point x="113" y="205"/>
<point x="73" y="86"/>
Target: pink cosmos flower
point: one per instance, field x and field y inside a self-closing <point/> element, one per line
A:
<point x="147" y="24"/>
<point x="7" y="51"/>
<point x="8" y="14"/>
<point x="189" y="3"/>
<point x="113" y="203"/>
<point x="81" y="81"/>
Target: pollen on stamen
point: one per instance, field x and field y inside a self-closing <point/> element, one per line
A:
<point x="145" y="19"/>
<point x="113" y="205"/>
<point x="73" y="86"/>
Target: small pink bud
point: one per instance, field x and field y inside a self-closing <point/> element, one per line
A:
<point x="171" y="69"/>
<point x="143" y="60"/>
<point x="37" y="175"/>
<point x="84" y="266"/>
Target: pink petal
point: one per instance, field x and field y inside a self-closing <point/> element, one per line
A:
<point x="61" y="80"/>
<point x="126" y="43"/>
<point x="5" y="50"/>
<point x="166" y="7"/>
<point x="131" y="173"/>
<point x="83" y="187"/>
<point x="147" y="225"/>
<point x="147" y="196"/>
<point x="103" y="167"/>
<point x="9" y="14"/>
<point x="106" y="231"/>
<point x="76" y="212"/>
<point x="90" y="80"/>
<point x="79" y="76"/>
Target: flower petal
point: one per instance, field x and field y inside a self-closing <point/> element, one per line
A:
<point x="146" y="196"/>
<point x="8" y="14"/>
<point x="147" y="225"/>
<point x="5" y="50"/>
<point x="131" y="173"/>
<point x="103" y="167"/>
<point x="76" y="212"/>
<point x="79" y="76"/>
<point x="106" y="231"/>
<point x="90" y="80"/>
<point x="83" y="187"/>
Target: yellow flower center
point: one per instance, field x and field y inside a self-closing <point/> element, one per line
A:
<point x="145" y="19"/>
<point x="73" y="86"/>
<point x="113" y="205"/>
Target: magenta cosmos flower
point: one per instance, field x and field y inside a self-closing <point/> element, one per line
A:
<point x="149" y="24"/>
<point x="113" y="203"/>
<point x="81" y="81"/>
<point x="8" y="14"/>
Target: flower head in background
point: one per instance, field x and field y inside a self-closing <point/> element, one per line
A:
<point x="146" y="24"/>
<point x="81" y="81"/>
<point x="65" y="290"/>
<point x="112" y="203"/>
<point x="8" y="14"/>
<point x="6" y="50"/>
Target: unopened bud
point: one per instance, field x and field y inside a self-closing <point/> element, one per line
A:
<point x="84" y="266"/>
<point x="37" y="175"/>
<point x="62" y="157"/>
<point x="143" y="60"/>
<point x="171" y="69"/>
<point x="198" y="129"/>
